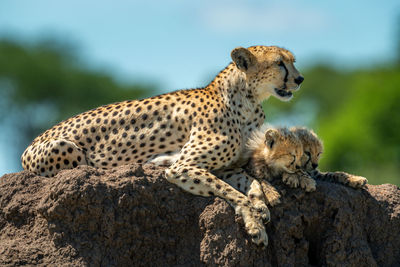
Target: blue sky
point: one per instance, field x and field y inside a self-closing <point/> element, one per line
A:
<point x="181" y="44"/>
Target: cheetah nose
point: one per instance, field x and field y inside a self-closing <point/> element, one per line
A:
<point x="297" y="166"/>
<point x="299" y="80"/>
<point x="314" y="165"/>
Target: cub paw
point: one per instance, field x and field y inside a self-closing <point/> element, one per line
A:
<point x="357" y="181"/>
<point x="307" y="183"/>
<point x="291" y="179"/>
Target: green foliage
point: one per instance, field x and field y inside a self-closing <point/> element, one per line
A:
<point x="364" y="133"/>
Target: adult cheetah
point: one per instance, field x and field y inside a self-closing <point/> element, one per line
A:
<point x="208" y="126"/>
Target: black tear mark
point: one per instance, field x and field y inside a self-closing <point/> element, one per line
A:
<point x="286" y="73"/>
<point x="271" y="144"/>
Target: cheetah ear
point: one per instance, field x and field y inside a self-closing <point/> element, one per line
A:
<point x="271" y="137"/>
<point x="243" y="58"/>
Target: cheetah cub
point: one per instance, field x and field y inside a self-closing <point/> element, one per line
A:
<point x="277" y="153"/>
<point x="313" y="150"/>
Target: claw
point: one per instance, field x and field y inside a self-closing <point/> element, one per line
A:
<point x="266" y="219"/>
<point x="264" y="214"/>
<point x="260" y="238"/>
<point x="262" y="242"/>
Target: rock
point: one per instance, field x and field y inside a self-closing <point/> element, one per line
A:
<point x="131" y="215"/>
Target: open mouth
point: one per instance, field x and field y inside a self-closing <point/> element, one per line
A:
<point x="283" y="93"/>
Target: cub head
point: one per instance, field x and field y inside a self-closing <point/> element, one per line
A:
<point x="312" y="147"/>
<point x="269" y="71"/>
<point x="277" y="148"/>
<point x="284" y="149"/>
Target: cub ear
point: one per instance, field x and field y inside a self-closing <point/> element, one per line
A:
<point x="271" y="137"/>
<point x="243" y="58"/>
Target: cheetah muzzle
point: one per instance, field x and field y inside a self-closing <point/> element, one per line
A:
<point x="283" y="93"/>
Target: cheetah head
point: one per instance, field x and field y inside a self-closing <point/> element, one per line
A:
<point x="312" y="147"/>
<point x="269" y="71"/>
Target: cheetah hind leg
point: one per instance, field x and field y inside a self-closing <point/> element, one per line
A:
<point x="166" y="159"/>
<point x="49" y="157"/>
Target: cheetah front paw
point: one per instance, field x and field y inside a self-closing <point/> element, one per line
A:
<point x="262" y="211"/>
<point x="291" y="179"/>
<point x="253" y="225"/>
<point x="258" y="234"/>
<point x="308" y="183"/>
<point x="357" y="181"/>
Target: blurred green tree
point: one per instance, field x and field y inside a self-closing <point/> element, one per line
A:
<point x="44" y="83"/>
<point x="363" y="134"/>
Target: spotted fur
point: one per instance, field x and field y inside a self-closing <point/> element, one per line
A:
<point x="206" y="126"/>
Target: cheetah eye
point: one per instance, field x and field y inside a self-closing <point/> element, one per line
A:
<point x="307" y="153"/>
<point x="281" y="64"/>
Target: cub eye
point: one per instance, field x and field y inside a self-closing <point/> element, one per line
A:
<point x="308" y="154"/>
<point x="294" y="159"/>
<point x="281" y="64"/>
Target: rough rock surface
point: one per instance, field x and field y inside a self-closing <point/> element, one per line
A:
<point x="132" y="216"/>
